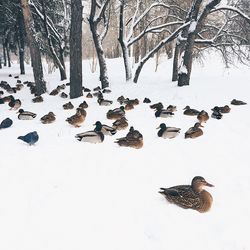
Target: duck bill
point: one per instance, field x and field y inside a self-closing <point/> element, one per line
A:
<point x="201" y="126"/>
<point x="158" y="127"/>
<point x="209" y="185"/>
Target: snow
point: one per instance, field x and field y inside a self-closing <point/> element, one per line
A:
<point x="63" y="194"/>
<point x="192" y="26"/>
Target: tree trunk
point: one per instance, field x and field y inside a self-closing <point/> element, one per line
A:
<point x="0" y="62"/>
<point x="8" y="54"/>
<point x="34" y="49"/>
<point x="176" y="62"/>
<point x="76" y="49"/>
<point x="4" y="55"/>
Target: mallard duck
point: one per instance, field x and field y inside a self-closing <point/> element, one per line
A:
<point x="163" y="113"/>
<point x="54" y="92"/>
<point x="171" y="108"/>
<point x="103" y="102"/>
<point x="97" y="88"/>
<point x="25" y="115"/>
<point x="107" y="91"/>
<point x="64" y="95"/>
<point x="133" y="102"/>
<point x="83" y="105"/>
<point x="146" y="100"/>
<point x="77" y="119"/>
<point x="133" y="143"/>
<point x="190" y="196"/>
<point x="194" y="131"/>
<point x="7" y="99"/>
<point x="158" y="105"/>
<point x="120" y="124"/>
<point x="116" y="113"/>
<point x="49" y="118"/>
<point x="15" y="104"/>
<point x="129" y="106"/>
<point x="37" y="99"/>
<point x="30" y="138"/>
<point x="191" y="112"/>
<point x="98" y="94"/>
<point x="216" y="113"/>
<point x="121" y="99"/>
<point x="167" y="132"/>
<point x="89" y="95"/>
<point x="68" y="105"/>
<point x="203" y="116"/>
<point x="6" y="123"/>
<point x="19" y="86"/>
<point x="106" y="130"/>
<point x="238" y="102"/>
<point x="224" y="109"/>
<point x="134" y="134"/>
<point x="61" y="87"/>
<point x="94" y="136"/>
<point x="86" y="89"/>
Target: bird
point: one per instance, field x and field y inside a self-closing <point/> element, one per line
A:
<point x="190" y="112"/>
<point x="25" y="115"/>
<point x="216" y="113"/>
<point x="30" y="138"/>
<point x="146" y="100"/>
<point x="192" y="196"/>
<point x="203" y="116"/>
<point x="68" y="105"/>
<point x="37" y="99"/>
<point x="121" y="123"/>
<point x="224" y="109"/>
<point x="106" y="130"/>
<point x="129" y="106"/>
<point x="194" y="131"/>
<point x="121" y="99"/>
<point x="163" y="113"/>
<point x="89" y="95"/>
<point x="116" y="113"/>
<point x="107" y="91"/>
<point x="94" y="136"/>
<point x="167" y="132"/>
<point x="6" y="123"/>
<point x="158" y="105"/>
<point x="54" y="92"/>
<point x="63" y="95"/>
<point x="83" y="105"/>
<point x="171" y="108"/>
<point x="238" y="102"/>
<point x="15" y="104"/>
<point x="133" y="134"/>
<point x="133" y="102"/>
<point x="77" y="119"/>
<point x="103" y="102"/>
<point x="97" y="88"/>
<point x="49" y="118"/>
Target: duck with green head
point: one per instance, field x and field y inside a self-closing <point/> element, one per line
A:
<point x="167" y="132"/>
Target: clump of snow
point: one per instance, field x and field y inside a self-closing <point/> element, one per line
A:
<point x="183" y="70"/>
<point x="64" y="194"/>
<point x="192" y="26"/>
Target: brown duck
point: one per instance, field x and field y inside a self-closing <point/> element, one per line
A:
<point x="224" y="109"/>
<point x="190" y="196"/>
<point x="77" y="119"/>
<point x="203" y="116"/>
<point x="49" y="118"/>
<point x="194" y="131"/>
<point x="115" y="114"/>
<point x="190" y="112"/>
<point x="120" y="124"/>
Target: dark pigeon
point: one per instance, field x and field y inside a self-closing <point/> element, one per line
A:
<point x="6" y="123"/>
<point x="31" y="138"/>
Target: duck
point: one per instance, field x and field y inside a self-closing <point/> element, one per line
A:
<point x="120" y="124"/>
<point x="130" y="142"/>
<point x="203" y="116"/>
<point x="190" y="112"/>
<point x="106" y="130"/>
<point x="121" y="99"/>
<point x="116" y="113"/>
<point x="238" y="102"/>
<point x="30" y="138"/>
<point x="49" y="118"/>
<point x="167" y="132"/>
<point x="158" y="105"/>
<point x="216" y="113"/>
<point x="54" y="92"/>
<point x="86" y="89"/>
<point x="61" y="87"/>
<point x="15" y="104"/>
<point x="129" y="106"/>
<point x="68" y="105"/>
<point x="107" y="91"/>
<point x="146" y="100"/>
<point x="192" y="196"/>
<point x="6" y="123"/>
<point x="133" y="134"/>
<point x="194" y="131"/>
<point x="83" y="105"/>
<point x="94" y="136"/>
<point x="77" y="119"/>
<point x="63" y="95"/>
<point x="89" y="95"/>
<point x="97" y="88"/>
<point x="25" y="115"/>
<point x="37" y="99"/>
<point x="103" y="102"/>
<point x="225" y="109"/>
<point x="163" y="113"/>
<point x="171" y="108"/>
<point x="133" y="102"/>
<point x="19" y="86"/>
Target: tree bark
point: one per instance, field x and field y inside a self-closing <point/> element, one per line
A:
<point x="21" y="44"/>
<point x="176" y="62"/>
<point x="76" y="49"/>
<point x="8" y="54"/>
<point x="34" y="49"/>
<point x="4" y="55"/>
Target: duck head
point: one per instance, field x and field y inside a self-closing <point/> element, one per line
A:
<point x="199" y="182"/>
<point x="187" y="107"/>
<point x="162" y="126"/>
<point x="98" y="126"/>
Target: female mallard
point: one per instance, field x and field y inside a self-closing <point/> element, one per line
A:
<point x="25" y="115"/>
<point x="163" y="113"/>
<point x="238" y="102"/>
<point x="190" y="112"/>
<point x="190" y="196"/>
<point x="120" y="124"/>
<point x="77" y="119"/>
<point x="95" y="136"/>
<point x="115" y="114"/>
<point x="194" y="131"/>
<point x="49" y="118"/>
<point x="224" y="109"/>
<point x="158" y="105"/>
<point x="133" y="134"/>
<point x="106" y="130"/>
<point x="15" y="104"/>
<point x="68" y="105"/>
<point x="129" y="106"/>
<point x="167" y="132"/>
<point x="203" y="116"/>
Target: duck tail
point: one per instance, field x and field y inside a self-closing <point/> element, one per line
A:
<point x="20" y="138"/>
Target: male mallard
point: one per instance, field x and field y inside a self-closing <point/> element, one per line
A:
<point x="163" y="113"/>
<point x="158" y="105"/>
<point x="77" y="119"/>
<point x="95" y="136"/>
<point x="194" y="131"/>
<point x="68" y="105"/>
<point x="25" y="115"/>
<point x="116" y="113"/>
<point x="49" y="118"/>
<point x="15" y="104"/>
<point x="238" y="102"/>
<point x="120" y="124"/>
<point x="167" y="132"/>
<point x="30" y="138"/>
<point x="103" y="102"/>
<point x="106" y="130"/>
<point x="203" y="116"/>
<point x="224" y="109"/>
<point x="6" y="123"/>
<point x="190" y="196"/>
<point x="191" y="112"/>
<point x="216" y="113"/>
<point x="37" y="99"/>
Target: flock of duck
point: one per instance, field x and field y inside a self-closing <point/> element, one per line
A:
<point x="186" y="196"/>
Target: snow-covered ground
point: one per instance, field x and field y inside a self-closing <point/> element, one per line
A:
<point x="64" y="194"/>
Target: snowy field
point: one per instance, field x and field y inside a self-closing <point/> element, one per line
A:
<point x="62" y="194"/>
